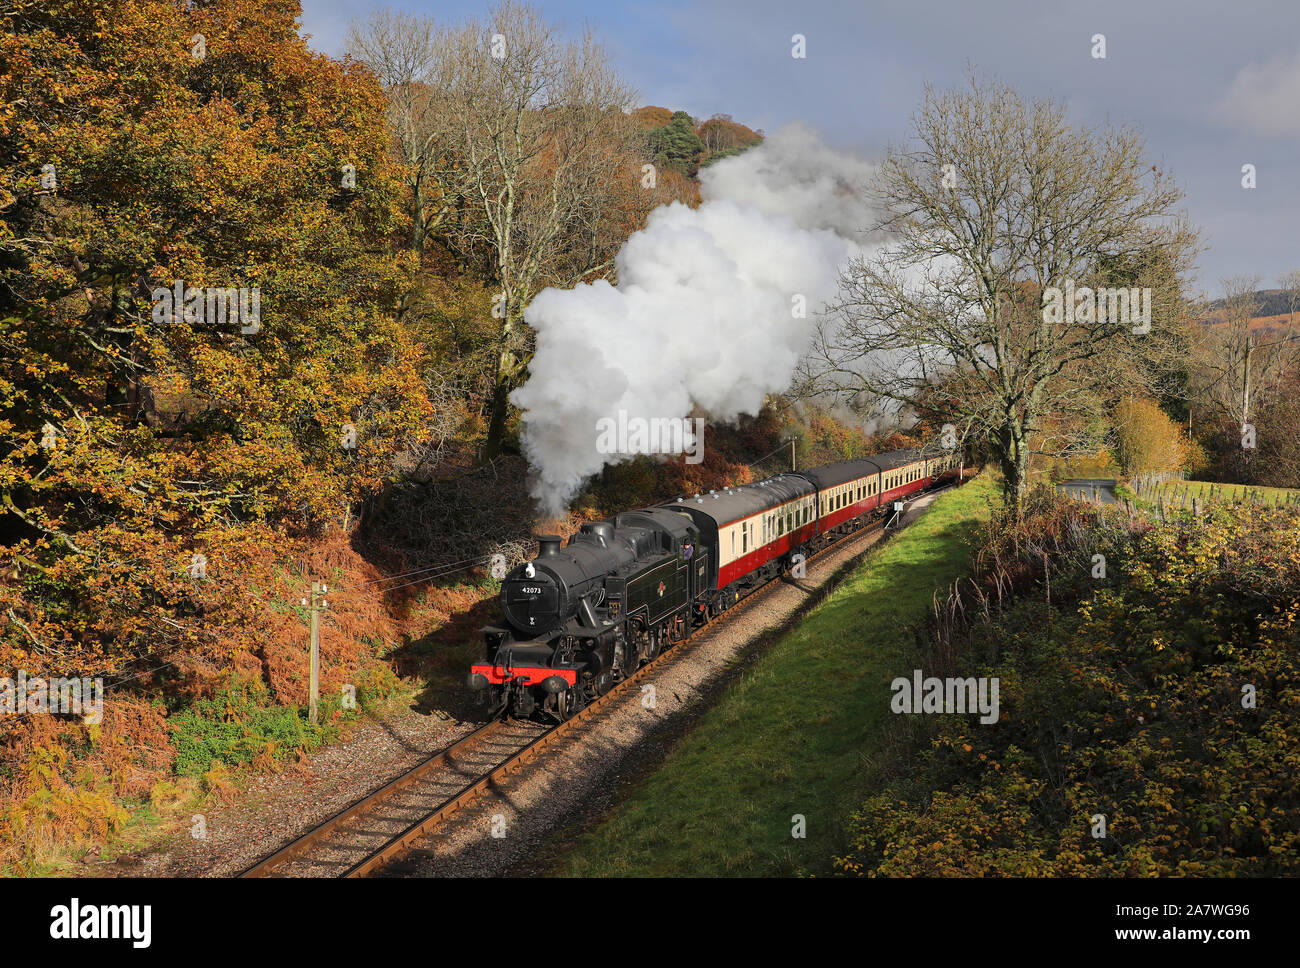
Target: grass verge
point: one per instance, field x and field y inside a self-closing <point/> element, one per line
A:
<point x="790" y="737"/>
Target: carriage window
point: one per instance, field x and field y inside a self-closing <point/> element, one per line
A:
<point x="744" y="539"/>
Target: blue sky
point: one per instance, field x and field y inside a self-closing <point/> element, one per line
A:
<point x="1214" y="85"/>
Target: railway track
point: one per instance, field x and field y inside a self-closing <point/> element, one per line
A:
<point x="387" y="824"/>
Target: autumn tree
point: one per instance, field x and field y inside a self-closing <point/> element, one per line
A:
<point x="999" y="210"/>
<point x="724" y="138"/>
<point x="1147" y="440"/>
<point x="145" y="148"/>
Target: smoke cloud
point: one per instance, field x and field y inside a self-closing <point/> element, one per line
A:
<point x="704" y="315"/>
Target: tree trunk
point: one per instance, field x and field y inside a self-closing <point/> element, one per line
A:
<point x="1014" y="460"/>
<point x="417" y="225"/>
<point x="497" y="423"/>
<point x="508" y="368"/>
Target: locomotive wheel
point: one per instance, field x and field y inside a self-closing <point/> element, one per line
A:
<point x="567" y="703"/>
<point x="631" y="659"/>
<point x="651" y="645"/>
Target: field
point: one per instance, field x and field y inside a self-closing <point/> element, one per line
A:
<point x="791" y="736"/>
<point x="1229" y="492"/>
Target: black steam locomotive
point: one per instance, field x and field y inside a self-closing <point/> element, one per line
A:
<point x="578" y="618"/>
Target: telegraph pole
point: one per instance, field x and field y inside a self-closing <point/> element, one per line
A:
<point x="318" y="603"/>
<point x="1245" y="382"/>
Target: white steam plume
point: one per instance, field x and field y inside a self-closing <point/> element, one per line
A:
<point x="702" y="315"/>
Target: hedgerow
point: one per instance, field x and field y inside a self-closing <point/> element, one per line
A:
<point x="1161" y="700"/>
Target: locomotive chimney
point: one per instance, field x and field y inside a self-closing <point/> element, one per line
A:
<point x="548" y="545"/>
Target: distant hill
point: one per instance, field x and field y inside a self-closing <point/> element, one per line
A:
<point x="1272" y="302"/>
<point x="1274" y="311"/>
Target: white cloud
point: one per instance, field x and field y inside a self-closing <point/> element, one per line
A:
<point x="1264" y="97"/>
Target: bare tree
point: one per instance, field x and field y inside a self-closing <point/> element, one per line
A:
<point x="403" y="51"/>
<point x="1239" y="370"/>
<point x="532" y="116"/>
<point x="999" y="213"/>
<point x="1224" y="352"/>
<point x="1290" y="285"/>
<point x="526" y="136"/>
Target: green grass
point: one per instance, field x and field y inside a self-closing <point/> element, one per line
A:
<point x="790" y="737"/>
<point x="1231" y="492"/>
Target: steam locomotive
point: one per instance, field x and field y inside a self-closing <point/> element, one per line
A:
<point x="578" y="618"/>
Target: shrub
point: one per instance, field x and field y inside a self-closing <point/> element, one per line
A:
<point x="1165" y="697"/>
<point x="234" y="728"/>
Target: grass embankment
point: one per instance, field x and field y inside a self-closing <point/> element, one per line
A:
<point x="790" y="737"/>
